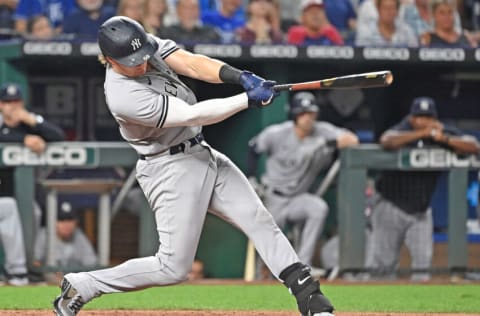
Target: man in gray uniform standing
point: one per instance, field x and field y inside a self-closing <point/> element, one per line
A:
<point x="180" y="174"/>
<point x="296" y="152"/>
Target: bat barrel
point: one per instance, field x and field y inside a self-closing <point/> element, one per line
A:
<point x="365" y="80"/>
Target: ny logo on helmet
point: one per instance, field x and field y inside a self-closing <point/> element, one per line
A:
<point x="136" y="44"/>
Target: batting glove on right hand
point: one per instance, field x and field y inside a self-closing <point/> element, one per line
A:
<point x="262" y="95"/>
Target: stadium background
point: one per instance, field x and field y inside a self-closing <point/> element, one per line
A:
<point x="64" y="83"/>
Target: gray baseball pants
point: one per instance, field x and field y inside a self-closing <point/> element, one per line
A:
<point x="180" y="189"/>
<point x="305" y="208"/>
<point x="391" y="227"/>
<point x="11" y="234"/>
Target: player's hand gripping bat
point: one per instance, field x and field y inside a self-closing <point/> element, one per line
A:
<point x="366" y="80"/>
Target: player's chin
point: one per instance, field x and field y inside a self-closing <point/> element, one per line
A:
<point x="137" y="71"/>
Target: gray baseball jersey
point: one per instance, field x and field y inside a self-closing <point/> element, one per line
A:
<point x="75" y="253"/>
<point x="140" y="119"/>
<point x="181" y="185"/>
<point x="291" y="167"/>
<point x="292" y="164"/>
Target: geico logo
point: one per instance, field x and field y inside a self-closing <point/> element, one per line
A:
<point x="439" y="158"/>
<point x="334" y="52"/>
<point x="442" y="54"/>
<point x="47" y="48"/>
<point x="280" y="51"/>
<point x="386" y="53"/>
<point x="89" y="49"/>
<point x="477" y="54"/>
<point x="53" y="156"/>
<point x="219" y="50"/>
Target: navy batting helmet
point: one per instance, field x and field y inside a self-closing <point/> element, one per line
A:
<point x="302" y="102"/>
<point x="126" y="41"/>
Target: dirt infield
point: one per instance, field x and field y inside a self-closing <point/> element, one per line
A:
<point x="206" y="313"/>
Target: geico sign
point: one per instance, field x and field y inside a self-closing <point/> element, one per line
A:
<point x="439" y="158"/>
<point x="53" y="156"/>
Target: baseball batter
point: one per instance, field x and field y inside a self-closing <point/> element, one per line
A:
<point x="180" y="174"/>
<point x="296" y="152"/>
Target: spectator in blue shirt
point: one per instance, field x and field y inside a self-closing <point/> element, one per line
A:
<point x="341" y="14"/>
<point x="134" y="9"/>
<point x="55" y="10"/>
<point x="225" y="20"/>
<point x="86" y="20"/>
<point x="39" y="28"/>
<point x="207" y="5"/>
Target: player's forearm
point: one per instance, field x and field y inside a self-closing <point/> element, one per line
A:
<point x="395" y="140"/>
<point x="462" y="145"/>
<point x="204" y="113"/>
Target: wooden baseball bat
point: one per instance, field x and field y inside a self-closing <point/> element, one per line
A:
<point x="366" y="80"/>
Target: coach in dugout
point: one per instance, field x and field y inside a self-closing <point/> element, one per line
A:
<point x="401" y="213"/>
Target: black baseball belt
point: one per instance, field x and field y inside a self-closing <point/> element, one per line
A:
<point x="179" y="148"/>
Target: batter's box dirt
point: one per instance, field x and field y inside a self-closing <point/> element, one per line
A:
<point x="205" y="313"/>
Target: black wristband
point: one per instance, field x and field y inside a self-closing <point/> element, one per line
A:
<point x="229" y="74"/>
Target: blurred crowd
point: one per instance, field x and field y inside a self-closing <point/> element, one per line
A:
<point x="399" y="23"/>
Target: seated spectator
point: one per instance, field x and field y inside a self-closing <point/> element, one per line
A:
<point x="189" y="28"/>
<point x="444" y="33"/>
<point x="134" y="9"/>
<point x="208" y="5"/>
<point x="260" y="28"/>
<point x="387" y="31"/>
<point x="154" y="13"/>
<point x="73" y="250"/>
<point x="11" y="236"/>
<point x="225" y="20"/>
<point x="39" y="28"/>
<point x="289" y="12"/>
<point x="418" y="16"/>
<point x="55" y="10"/>
<point x="315" y="29"/>
<point x="87" y="18"/>
<point x="7" y="7"/>
<point x="342" y="16"/>
<point x="367" y="14"/>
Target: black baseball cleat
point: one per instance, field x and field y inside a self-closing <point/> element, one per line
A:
<point x="310" y="300"/>
<point x="69" y="302"/>
<point x="316" y="305"/>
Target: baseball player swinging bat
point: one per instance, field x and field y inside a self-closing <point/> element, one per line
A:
<point x="365" y="80"/>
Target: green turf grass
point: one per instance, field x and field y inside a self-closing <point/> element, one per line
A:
<point x="373" y="298"/>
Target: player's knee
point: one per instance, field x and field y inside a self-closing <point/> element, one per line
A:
<point x="318" y="208"/>
<point x="263" y="217"/>
<point x="180" y="274"/>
